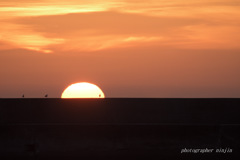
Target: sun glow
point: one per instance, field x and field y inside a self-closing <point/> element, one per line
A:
<point x="83" y="90"/>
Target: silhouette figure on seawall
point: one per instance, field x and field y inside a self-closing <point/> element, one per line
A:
<point x="46" y="95"/>
<point x="23" y="96"/>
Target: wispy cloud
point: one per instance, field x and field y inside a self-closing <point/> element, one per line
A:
<point x="51" y="7"/>
<point x="20" y="36"/>
<point x="51" y="26"/>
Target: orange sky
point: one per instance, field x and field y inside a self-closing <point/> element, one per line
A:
<point x="136" y="48"/>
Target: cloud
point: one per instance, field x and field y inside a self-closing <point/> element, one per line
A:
<point x="100" y="30"/>
<point x="53" y="26"/>
<point x="17" y="36"/>
<point x="13" y="8"/>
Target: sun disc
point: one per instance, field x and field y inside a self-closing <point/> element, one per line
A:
<point x="83" y="90"/>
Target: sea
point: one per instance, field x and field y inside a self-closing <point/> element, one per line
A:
<point x="120" y="128"/>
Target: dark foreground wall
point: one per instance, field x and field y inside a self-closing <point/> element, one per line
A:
<point x="119" y="128"/>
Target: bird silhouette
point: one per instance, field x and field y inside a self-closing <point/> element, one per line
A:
<point x="46" y="95"/>
<point x="23" y="96"/>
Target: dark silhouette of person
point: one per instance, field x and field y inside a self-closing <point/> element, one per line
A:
<point x="99" y="95"/>
<point x="46" y="95"/>
<point x="23" y="96"/>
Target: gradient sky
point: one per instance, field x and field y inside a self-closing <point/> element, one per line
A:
<point x="137" y="48"/>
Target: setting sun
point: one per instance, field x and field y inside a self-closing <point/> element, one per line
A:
<point x="83" y="90"/>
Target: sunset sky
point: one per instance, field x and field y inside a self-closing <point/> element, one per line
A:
<point x="137" y="48"/>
